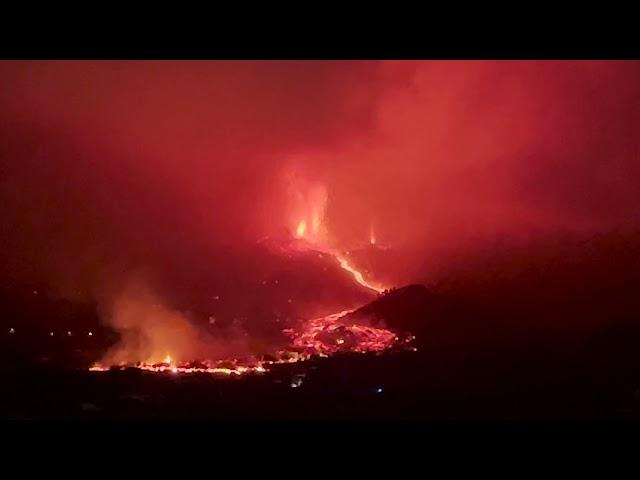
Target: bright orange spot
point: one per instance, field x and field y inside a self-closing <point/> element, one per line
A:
<point x="301" y="230"/>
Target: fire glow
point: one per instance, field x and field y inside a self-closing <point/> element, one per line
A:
<point x="301" y="229"/>
<point x="357" y="275"/>
<point x="320" y="337"/>
<point x="324" y="336"/>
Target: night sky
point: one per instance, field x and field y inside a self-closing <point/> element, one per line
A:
<point x="165" y="175"/>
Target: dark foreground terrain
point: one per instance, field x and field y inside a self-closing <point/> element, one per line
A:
<point x="542" y="335"/>
<point x="406" y="385"/>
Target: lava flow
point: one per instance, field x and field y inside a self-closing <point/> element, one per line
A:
<point x="323" y="336"/>
<point x="327" y="336"/>
<point x="357" y="275"/>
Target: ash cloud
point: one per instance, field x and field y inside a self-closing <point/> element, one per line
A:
<point x="176" y="169"/>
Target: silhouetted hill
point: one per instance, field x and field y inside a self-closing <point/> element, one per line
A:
<point x="435" y="320"/>
<point x="405" y="308"/>
<point x="568" y="283"/>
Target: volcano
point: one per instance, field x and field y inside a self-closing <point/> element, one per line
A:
<point x="269" y="307"/>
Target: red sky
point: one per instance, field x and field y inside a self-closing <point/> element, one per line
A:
<point x="107" y="165"/>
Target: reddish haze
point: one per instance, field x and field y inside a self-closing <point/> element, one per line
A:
<point x="112" y="170"/>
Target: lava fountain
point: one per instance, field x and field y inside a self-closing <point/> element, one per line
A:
<point x="322" y="336"/>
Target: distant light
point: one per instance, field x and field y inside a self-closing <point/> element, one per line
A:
<point x="174" y="370"/>
<point x="35" y="292"/>
<point x="296" y="381"/>
<point x="289" y="301"/>
<point x="212" y="320"/>
<point x="69" y="333"/>
<point x="11" y="330"/>
<point x="216" y="297"/>
<point x="90" y="334"/>
<point x="51" y="334"/>
<point x="340" y="341"/>
<point x="379" y="390"/>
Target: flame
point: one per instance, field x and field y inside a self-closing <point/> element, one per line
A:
<point x="302" y="228"/>
<point x="167" y="359"/>
<point x="372" y="235"/>
<point x="307" y="200"/>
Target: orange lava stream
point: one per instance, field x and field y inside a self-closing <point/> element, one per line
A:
<point x="345" y="265"/>
<point x="323" y="336"/>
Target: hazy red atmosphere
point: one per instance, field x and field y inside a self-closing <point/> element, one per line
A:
<point x="163" y="189"/>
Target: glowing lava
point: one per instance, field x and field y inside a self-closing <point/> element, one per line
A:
<point x="301" y="230"/>
<point x="357" y="275"/>
<point x="329" y="335"/>
<point x="321" y="336"/>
